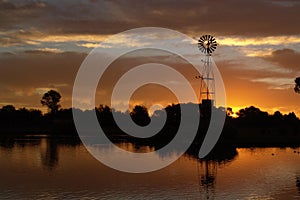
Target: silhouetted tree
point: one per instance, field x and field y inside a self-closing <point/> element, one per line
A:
<point x="140" y="115"/>
<point x="277" y="117"/>
<point x="104" y="109"/>
<point x="291" y="117"/>
<point x="229" y="112"/>
<point x="51" y="100"/>
<point x="104" y="114"/>
<point x="252" y="116"/>
<point x="8" y="108"/>
<point x="24" y="120"/>
<point x="297" y="85"/>
<point x="252" y="113"/>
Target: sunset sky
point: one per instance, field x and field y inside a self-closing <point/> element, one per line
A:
<point x="43" y="44"/>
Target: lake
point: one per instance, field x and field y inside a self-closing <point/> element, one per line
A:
<point x="47" y="168"/>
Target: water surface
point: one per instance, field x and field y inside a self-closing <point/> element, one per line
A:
<point x="41" y="167"/>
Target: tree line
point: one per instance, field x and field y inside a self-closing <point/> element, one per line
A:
<point x="251" y="126"/>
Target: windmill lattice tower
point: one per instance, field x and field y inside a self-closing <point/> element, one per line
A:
<point x="207" y="44"/>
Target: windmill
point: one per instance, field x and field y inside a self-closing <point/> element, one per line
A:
<point x="207" y="44"/>
<point x="207" y="173"/>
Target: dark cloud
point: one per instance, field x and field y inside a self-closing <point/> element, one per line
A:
<point x="21" y="5"/>
<point x="255" y="17"/>
<point x="286" y="58"/>
<point x="18" y="14"/>
<point x="39" y="69"/>
<point x="22" y="74"/>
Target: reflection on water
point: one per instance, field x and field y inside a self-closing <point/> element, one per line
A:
<point x="207" y="172"/>
<point x="41" y="167"/>
<point x="50" y="155"/>
<point x="298" y="184"/>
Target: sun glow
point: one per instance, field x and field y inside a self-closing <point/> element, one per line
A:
<point x="273" y="40"/>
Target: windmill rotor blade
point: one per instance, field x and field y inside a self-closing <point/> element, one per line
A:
<point x="207" y="44"/>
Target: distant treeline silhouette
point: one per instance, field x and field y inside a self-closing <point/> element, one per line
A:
<point x="251" y="127"/>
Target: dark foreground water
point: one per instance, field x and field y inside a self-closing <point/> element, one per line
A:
<point x="44" y="168"/>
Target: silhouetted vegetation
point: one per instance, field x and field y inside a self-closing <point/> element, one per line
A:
<point x="51" y="100"/>
<point x="21" y="120"/>
<point x="259" y="128"/>
<point x="140" y="115"/>
<point x="297" y="85"/>
<point x="251" y="127"/>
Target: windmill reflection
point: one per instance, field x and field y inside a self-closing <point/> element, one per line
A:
<point x="207" y="172"/>
<point x="207" y="168"/>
